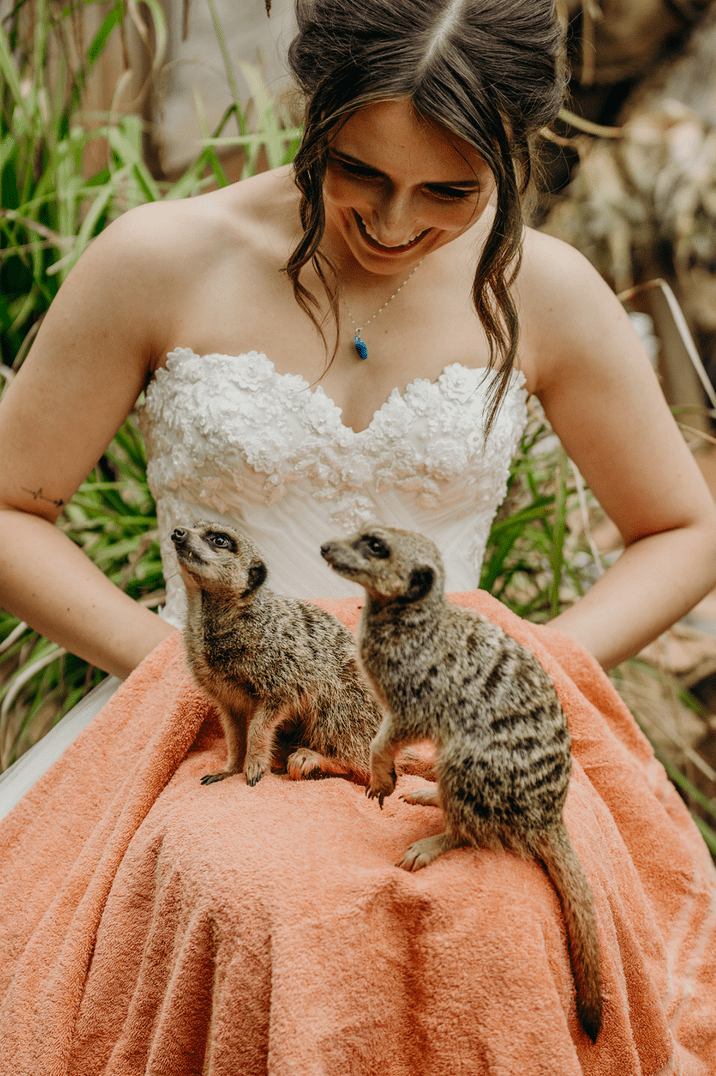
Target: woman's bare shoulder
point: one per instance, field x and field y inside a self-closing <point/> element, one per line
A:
<point x="566" y="308"/>
<point x="252" y="213"/>
<point x="552" y="270"/>
<point x="145" y="269"/>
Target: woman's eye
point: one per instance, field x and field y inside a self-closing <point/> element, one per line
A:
<point x="355" y="169"/>
<point x="452" y="194"/>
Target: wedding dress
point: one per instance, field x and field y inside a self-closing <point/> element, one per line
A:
<point x="154" y="926"/>
<point x="230" y="439"/>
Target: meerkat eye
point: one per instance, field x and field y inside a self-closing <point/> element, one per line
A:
<point x="221" y="541"/>
<point x="372" y="546"/>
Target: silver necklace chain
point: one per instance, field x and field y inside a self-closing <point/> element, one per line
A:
<point x="360" y="344"/>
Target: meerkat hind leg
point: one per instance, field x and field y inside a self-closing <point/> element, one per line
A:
<point x="306" y="763"/>
<point x="422" y="852"/>
<point x="427" y="796"/>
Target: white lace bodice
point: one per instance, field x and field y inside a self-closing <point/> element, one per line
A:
<point x="230" y="439"/>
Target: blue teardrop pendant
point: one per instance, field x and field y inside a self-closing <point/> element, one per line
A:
<point x="361" y="347"/>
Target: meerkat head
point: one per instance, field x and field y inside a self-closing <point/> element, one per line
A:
<point x="216" y="557"/>
<point x="393" y="565"/>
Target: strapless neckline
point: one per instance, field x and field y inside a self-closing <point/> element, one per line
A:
<point x="301" y="384"/>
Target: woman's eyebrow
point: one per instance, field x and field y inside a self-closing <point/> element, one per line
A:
<point x="462" y="183"/>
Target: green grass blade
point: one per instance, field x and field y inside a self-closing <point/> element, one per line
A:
<point x="228" y="67"/>
<point x="7" y="148"/>
<point x="560" y="526"/>
<point x="9" y="72"/>
<point x="112" y="18"/>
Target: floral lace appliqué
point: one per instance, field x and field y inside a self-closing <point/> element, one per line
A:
<point x="229" y="432"/>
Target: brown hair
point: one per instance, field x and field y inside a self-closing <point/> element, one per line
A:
<point x="488" y="71"/>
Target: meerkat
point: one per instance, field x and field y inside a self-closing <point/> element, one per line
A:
<point x="449" y="675"/>
<point x="282" y="673"/>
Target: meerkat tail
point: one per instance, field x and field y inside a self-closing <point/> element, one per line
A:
<point x="569" y="879"/>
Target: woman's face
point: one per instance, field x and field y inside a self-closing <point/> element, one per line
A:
<point x="397" y="188"/>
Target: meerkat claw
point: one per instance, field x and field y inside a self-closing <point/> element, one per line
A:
<point x="253" y="773"/>
<point x="210" y="778"/>
<point x="373" y="793"/>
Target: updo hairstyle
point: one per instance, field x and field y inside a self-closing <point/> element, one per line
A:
<point x="489" y="71"/>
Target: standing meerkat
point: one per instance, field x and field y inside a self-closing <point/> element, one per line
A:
<point x="276" y="668"/>
<point x="449" y="675"/>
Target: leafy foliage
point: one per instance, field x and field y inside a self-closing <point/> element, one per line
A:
<point x="540" y="558"/>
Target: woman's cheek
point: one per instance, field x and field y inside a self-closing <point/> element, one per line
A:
<point x="452" y="215"/>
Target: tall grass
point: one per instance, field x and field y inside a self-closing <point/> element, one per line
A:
<point x="540" y="557"/>
<point x="51" y="209"/>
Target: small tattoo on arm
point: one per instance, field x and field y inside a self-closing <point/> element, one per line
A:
<point x="38" y="495"/>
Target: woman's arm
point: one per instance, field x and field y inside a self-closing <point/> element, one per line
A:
<point x="603" y="400"/>
<point x="47" y="580"/>
<point x="93" y="354"/>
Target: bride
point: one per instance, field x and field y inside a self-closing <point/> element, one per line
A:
<point x="350" y="339"/>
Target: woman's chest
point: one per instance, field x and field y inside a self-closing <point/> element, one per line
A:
<point x="412" y="334"/>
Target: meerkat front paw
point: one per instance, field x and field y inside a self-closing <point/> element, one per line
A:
<point x="253" y="771"/>
<point x="304" y="764"/>
<point x="381" y="786"/>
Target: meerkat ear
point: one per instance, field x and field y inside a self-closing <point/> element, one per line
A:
<point x="420" y="583"/>
<point x="257" y="575"/>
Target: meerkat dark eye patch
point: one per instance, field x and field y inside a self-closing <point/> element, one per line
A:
<point x="370" y="545"/>
<point x="220" y="540"/>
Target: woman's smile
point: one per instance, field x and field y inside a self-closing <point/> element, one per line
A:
<point x="398" y="187"/>
<point x="372" y="239"/>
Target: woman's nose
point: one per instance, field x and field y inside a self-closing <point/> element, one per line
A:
<point x="393" y="221"/>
